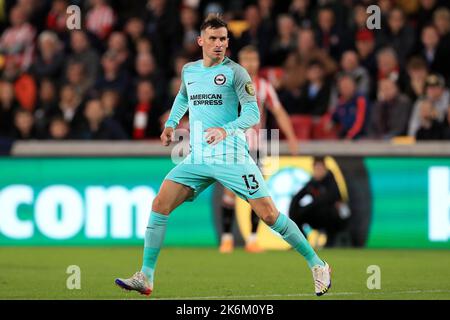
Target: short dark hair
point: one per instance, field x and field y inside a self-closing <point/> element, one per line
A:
<point x="319" y="160"/>
<point x="214" y="21"/>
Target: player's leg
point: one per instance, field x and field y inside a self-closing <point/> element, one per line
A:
<point x="246" y="180"/>
<point x="288" y="229"/>
<point x="251" y="245"/>
<point x="228" y="205"/>
<point x="170" y="196"/>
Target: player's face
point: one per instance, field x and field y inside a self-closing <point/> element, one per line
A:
<point x="250" y="61"/>
<point x="214" y="43"/>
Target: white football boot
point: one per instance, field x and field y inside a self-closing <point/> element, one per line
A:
<point x="137" y="282"/>
<point x="322" y="278"/>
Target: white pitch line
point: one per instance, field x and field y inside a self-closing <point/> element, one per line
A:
<point x="305" y="295"/>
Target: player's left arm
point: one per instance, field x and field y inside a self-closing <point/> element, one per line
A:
<point x="249" y="116"/>
<point x="282" y="118"/>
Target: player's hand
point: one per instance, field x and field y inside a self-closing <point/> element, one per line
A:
<point x="215" y="135"/>
<point x="167" y="136"/>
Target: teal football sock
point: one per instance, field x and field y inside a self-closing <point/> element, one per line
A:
<point x="292" y="235"/>
<point x="154" y="237"/>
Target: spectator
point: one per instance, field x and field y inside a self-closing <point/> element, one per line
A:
<point x="82" y="52"/>
<point x="134" y="29"/>
<point x="56" y="18"/>
<point x="430" y="127"/>
<point x="417" y="75"/>
<point x="76" y="76"/>
<point x="285" y="40"/>
<point x="298" y="60"/>
<point x="146" y="70"/>
<point x="189" y="33"/>
<point x="315" y="96"/>
<point x="389" y="67"/>
<point x="47" y="104"/>
<point x="350" y="65"/>
<point x="17" y="41"/>
<point x="147" y="112"/>
<point x="398" y="34"/>
<point x="329" y="37"/>
<point x="258" y="34"/>
<point x="365" y="46"/>
<point x="425" y="15"/>
<point x="58" y="129"/>
<point x="390" y="113"/>
<point x="70" y="106"/>
<point x="162" y="26"/>
<point x="8" y="106"/>
<point x="351" y="110"/>
<point x="430" y="41"/>
<point x="100" y="19"/>
<point x="112" y="76"/>
<point x="96" y="126"/>
<point x="302" y="12"/>
<point x="49" y="62"/>
<point x="319" y="204"/>
<point x="117" y="44"/>
<point x="437" y="95"/>
<point x="23" y="125"/>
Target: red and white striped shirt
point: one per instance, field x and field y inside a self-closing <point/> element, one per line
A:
<point x="100" y="20"/>
<point x="17" y="43"/>
<point x="267" y="99"/>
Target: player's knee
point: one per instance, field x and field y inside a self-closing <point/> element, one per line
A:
<point x="161" y="206"/>
<point x="269" y="217"/>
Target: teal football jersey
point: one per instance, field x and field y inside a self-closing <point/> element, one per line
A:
<point x="217" y="96"/>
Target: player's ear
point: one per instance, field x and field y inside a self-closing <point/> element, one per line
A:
<point x="200" y="41"/>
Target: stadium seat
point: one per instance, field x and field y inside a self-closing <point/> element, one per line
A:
<point x="302" y="126"/>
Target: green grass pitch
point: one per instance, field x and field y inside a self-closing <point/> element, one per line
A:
<point x="203" y="273"/>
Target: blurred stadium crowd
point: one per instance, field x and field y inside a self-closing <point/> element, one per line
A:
<point x="116" y="78"/>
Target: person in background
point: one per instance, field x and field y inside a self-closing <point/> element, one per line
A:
<point x="96" y="126"/>
<point x="350" y="65"/>
<point x="316" y="93"/>
<point x="365" y="47"/>
<point x="17" y="41"/>
<point x="351" y="111"/>
<point x="58" y="129"/>
<point x="417" y="71"/>
<point x="50" y="60"/>
<point x="398" y="34"/>
<point x="430" y="128"/>
<point x="81" y="51"/>
<point x="23" y="125"/>
<point x="147" y="112"/>
<point x="319" y="205"/>
<point x="100" y="19"/>
<point x="438" y="95"/>
<point x="390" y="113"/>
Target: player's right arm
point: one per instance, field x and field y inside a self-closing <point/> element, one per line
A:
<point x="179" y="108"/>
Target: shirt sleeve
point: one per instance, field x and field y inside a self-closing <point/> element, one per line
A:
<point x="245" y="91"/>
<point x="179" y="107"/>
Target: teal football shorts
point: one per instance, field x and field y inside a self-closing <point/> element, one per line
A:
<point x="242" y="177"/>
